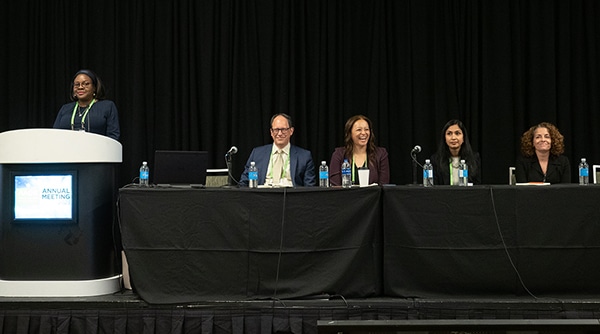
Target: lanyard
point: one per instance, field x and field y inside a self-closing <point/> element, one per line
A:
<point x="84" y="114"/>
<point x="452" y="171"/>
<point x="286" y="164"/>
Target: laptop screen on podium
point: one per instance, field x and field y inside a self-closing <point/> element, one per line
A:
<point x="176" y="168"/>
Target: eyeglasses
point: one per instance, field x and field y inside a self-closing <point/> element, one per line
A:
<point x="81" y="84"/>
<point x="282" y="130"/>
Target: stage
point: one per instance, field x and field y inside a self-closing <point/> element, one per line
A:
<point x="486" y="259"/>
<point x="126" y="312"/>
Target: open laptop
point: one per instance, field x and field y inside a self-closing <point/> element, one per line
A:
<point x="180" y="168"/>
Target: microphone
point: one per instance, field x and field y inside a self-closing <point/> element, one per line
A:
<point x="415" y="163"/>
<point x="232" y="151"/>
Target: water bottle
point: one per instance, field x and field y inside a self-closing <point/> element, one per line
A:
<point x="584" y="172"/>
<point x="463" y="174"/>
<point x="253" y="175"/>
<point x="323" y="175"/>
<point x="346" y="174"/>
<point x="427" y="173"/>
<point x="144" y="174"/>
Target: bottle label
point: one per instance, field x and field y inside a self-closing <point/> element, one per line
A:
<point x="253" y="175"/>
<point x="428" y="173"/>
<point x="144" y="175"/>
<point x="463" y="173"/>
<point x="346" y="171"/>
<point x="323" y="174"/>
<point x="583" y="172"/>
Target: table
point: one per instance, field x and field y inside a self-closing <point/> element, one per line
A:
<point x="186" y="245"/>
<point x="491" y="241"/>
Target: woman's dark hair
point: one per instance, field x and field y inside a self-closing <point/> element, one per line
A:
<point x="557" y="146"/>
<point x="465" y="152"/>
<point x="98" y="88"/>
<point x="349" y="144"/>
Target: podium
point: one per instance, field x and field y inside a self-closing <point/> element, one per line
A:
<point x="57" y="201"/>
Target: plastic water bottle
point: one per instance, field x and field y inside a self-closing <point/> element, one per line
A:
<point x="323" y="175"/>
<point x="253" y="175"/>
<point x="584" y="172"/>
<point x="427" y="173"/>
<point x="144" y="174"/>
<point x="463" y="174"/>
<point x="346" y="174"/>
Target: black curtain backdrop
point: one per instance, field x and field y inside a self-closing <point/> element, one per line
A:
<point x="206" y="75"/>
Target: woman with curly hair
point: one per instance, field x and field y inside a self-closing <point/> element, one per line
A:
<point x="360" y="150"/>
<point x="542" y="147"/>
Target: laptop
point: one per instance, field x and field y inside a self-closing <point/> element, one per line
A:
<point x="180" y="168"/>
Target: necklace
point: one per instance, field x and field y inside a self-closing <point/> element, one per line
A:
<point x="81" y="110"/>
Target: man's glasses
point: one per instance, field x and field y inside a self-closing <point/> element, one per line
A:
<point x="282" y="130"/>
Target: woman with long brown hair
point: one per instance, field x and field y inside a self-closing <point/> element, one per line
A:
<point x="360" y="150"/>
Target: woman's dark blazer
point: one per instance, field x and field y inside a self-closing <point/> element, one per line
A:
<point x="528" y="169"/>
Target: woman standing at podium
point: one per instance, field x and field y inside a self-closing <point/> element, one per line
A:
<point x="89" y="111"/>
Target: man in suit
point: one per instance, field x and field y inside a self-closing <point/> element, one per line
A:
<point x="280" y="163"/>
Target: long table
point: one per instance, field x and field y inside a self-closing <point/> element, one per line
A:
<point x="492" y="241"/>
<point x="186" y="245"/>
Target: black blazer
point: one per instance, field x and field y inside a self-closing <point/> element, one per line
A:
<point x="528" y="169"/>
<point x="441" y="174"/>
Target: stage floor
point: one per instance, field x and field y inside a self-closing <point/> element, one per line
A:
<point x="444" y="306"/>
<point x="126" y="312"/>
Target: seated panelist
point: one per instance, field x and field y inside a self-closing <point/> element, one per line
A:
<point x="281" y="163"/>
<point x="360" y="150"/>
<point x="454" y="146"/>
<point x="541" y="157"/>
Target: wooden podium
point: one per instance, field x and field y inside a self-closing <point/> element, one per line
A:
<point x="70" y="253"/>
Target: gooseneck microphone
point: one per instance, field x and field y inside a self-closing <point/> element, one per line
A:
<point x="230" y="179"/>
<point x="415" y="163"/>
<point x="233" y="150"/>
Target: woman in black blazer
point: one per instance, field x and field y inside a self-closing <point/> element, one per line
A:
<point x="542" y="147"/>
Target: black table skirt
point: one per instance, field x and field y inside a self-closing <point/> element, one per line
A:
<point x="491" y="241"/>
<point x="402" y="241"/>
<point x="217" y="244"/>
